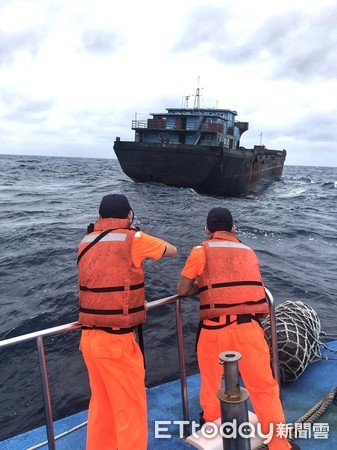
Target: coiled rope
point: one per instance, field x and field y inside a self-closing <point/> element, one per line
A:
<point x="311" y="416"/>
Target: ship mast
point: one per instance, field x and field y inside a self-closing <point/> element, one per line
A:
<point x="197" y="97"/>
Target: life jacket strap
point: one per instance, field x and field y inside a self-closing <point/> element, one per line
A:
<point x="111" y="311"/>
<point x="110" y="330"/>
<point x="240" y="319"/>
<point x="132" y="287"/>
<point x="231" y="284"/>
<point x="88" y="247"/>
<point x="231" y="305"/>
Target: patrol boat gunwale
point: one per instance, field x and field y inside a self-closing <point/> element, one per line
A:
<point x="198" y="148"/>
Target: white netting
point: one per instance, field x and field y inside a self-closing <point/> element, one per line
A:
<point x="298" y="335"/>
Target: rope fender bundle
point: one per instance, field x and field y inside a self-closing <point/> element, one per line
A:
<point x="298" y="335"/>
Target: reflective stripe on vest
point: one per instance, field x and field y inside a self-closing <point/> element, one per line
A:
<point x="228" y="244"/>
<point x="117" y="237"/>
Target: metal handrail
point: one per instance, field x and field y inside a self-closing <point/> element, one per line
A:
<point x="39" y="335"/>
<point x="42" y="333"/>
<point x="181" y="352"/>
<point x="273" y="334"/>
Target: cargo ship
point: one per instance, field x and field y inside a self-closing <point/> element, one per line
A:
<point x="197" y="148"/>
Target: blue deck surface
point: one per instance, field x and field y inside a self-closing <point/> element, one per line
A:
<point x="164" y="403"/>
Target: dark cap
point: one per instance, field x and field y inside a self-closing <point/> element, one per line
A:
<point x="219" y="219"/>
<point x="114" y="205"/>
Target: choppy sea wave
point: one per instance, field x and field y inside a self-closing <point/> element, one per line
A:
<point x="46" y="204"/>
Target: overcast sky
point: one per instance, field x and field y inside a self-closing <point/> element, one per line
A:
<point x="73" y="74"/>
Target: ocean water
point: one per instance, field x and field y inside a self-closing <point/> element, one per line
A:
<point x="46" y="205"/>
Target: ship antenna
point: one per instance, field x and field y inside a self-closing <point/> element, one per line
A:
<point x="260" y="138"/>
<point x="186" y="101"/>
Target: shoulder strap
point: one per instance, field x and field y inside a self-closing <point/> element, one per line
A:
<point x="88" y="247"/>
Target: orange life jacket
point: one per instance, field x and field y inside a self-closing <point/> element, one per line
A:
<point x="111" y="287"/>
<point x="231" y="282"/>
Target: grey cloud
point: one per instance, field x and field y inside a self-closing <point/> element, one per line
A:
<point x="11" y="43"/>
<point x="205" y="25"/>
<point x="302" y="46"/>
<point x="92" y="126"/>
<point x="4" y="3"/>
<point x="306" y="128"/>
<point x="97" y="41"/>
<point x="296" y="45"/>
<point x="91" y="121"/>
<point x="23" y="109"/>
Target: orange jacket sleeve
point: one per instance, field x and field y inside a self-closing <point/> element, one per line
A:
<point x="146" y="246"/>
<point x="195" y="263"/>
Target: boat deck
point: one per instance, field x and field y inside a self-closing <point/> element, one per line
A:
<point x="164" y="403"/>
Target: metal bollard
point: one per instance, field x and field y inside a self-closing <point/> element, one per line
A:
<point x="233" y="401"/>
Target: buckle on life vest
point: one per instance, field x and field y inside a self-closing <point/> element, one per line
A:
<point x="244" y="318"/>
<point x="217" y="327"/>
<point x="240" y="319"/>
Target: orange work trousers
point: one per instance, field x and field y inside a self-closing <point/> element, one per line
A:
<point x="117" y="416"/>
<point x="255" y="370"/>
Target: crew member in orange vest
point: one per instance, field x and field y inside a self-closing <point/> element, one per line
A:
<point x="112" y="304"/>
<point x="232" y="297"/>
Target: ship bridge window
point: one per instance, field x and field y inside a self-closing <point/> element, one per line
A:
<point x="206" y="137"/>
